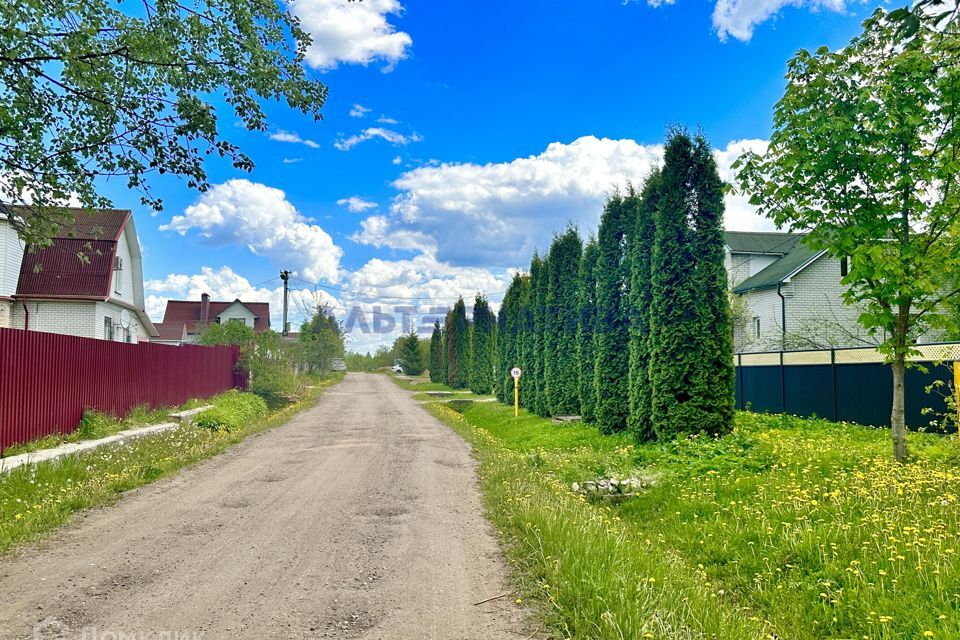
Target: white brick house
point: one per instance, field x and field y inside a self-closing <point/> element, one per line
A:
<point x="790" y="296"/>
<point x="87" y="283"/>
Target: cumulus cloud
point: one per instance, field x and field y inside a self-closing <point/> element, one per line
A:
<point x="225" y="284"/>
<point x="393" y="137"/>
<point x="356" y="204"/>
<point x="516" y="206"/>
<point x="358" y="111"/>
<point x="351" y="32"/>
<point x="738" y="18"/>
<point x="242" y="212"/>
<point x="287" y="136"/>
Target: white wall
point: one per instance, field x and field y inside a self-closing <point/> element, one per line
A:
<point x="69" y="317"/>
<point x="125" y="275"/>
<point x="108" y="310"/>
<point x="237" y="311"/>
<point x="5" y="314"/>
<point x="11" y="255"/>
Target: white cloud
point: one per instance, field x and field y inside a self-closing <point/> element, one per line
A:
<point x="386" y="120"/>
<point x="291" y="160"/>
<point x="247" y="213"/>
<point x="356" y="204"/>
<point x="516" y="206"/>
<point x="358" y="111"/>
<point x="397" y="160"/>
<point x="740" y="215"/>
<point x="393" y="137"/>
<point x="351" y="32"/>
<point x="225" y="284"/>
<point x="287" y="136"/>
<point x="738" y="18"/>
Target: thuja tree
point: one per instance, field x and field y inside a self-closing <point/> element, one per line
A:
<point x="436" y="353"/>
<point x="458" y="346"/>
<point x="527" y="343"/>
<point x="640" y="301"/>
<point x="611" y="357"/>
<point x="713" y="383"/>
<point x="409" y="354"/>
<point x="587" y="317"/>
<point x="535" y="383"/>
<point x="560" y="326"/>
<point x="508" y="338"/>
<point x="484" y="347"/>
<point x="674" y="318"/>
<point x="864" y="155"/>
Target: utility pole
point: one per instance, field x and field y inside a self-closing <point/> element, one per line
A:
<point x="285" y="276"/>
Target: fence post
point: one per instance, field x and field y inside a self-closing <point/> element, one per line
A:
<point x="740" y="375"/>
<point x="833" y="372"/>
<point x="783" y="384"/>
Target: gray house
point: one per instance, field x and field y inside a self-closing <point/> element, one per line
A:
<point x="788" y="295"/>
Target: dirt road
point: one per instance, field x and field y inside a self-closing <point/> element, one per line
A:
<point x="359" y="519"/>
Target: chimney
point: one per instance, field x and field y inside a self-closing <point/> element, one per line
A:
<point x="204" y="308"/>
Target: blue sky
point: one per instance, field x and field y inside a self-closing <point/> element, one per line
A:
<point x="462" y="135"/>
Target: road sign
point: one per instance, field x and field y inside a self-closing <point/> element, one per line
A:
<point x="516" y="372"/>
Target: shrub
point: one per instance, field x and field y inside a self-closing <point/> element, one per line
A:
<point x="232" y="410"/>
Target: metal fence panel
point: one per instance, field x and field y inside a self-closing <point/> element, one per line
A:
<point x="47" y="380"/>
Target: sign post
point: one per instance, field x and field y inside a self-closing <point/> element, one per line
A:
<point x="515" y="373"/>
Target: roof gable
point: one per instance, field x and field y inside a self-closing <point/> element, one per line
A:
<point x="188" y="312"/>
<point x="799" y="257"/>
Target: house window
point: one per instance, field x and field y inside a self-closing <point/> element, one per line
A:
<point x="756" y="327"/>
<point x="843" y="267"/>
<point x="240" y="320"/>
<point x="117" y="272"/>
<point x="107" y="329"/>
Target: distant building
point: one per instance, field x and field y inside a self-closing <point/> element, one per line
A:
<point x="189" y="317"/>
<point x="87" y="283"/>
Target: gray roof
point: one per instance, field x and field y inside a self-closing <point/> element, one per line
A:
<point x="777" y="272"/>
<point x="764" y="242"/>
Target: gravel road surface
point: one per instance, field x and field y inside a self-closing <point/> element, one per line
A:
<point x="360" y="518"/>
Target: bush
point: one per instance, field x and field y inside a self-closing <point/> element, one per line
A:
<point x="232" y="410"/>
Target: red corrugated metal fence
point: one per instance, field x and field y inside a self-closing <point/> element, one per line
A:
<point x="47" y="380"/>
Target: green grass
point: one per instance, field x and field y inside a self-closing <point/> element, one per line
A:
<point x="36" y="499"/>
<point x="94" y="425"/>
<point x="790" y="528"/>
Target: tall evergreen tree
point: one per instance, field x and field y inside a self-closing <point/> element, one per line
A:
<point x="561" y="374"/>
<point x="458" y="346"/>
<point x="587" y="285"/>
<point x="509" y="335"/>
<point x="641" y="295"/>
<point x="436" y="355"/>
<point x="539" y="274"/>
<point x="409" y="354"/>
<point x="713" y="385"/>
<point x="612" y="359"/>
<point x="449" y="353"/>
<point x="484" y="347"/>
<point x="526" y="344"/>
<point x="676" y="313"/>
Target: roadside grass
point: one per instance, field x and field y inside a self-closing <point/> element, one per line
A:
<point x="788" y="528"/>
<point x="94" y="425"/>
<point x="37" y="498"/>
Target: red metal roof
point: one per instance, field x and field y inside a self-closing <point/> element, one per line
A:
<point x="79" y="262"/>
<point x="188" y="312"/>
<point x="171" y="331"/>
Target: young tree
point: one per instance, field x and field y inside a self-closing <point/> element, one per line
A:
<point x="612" y="359"/>
<point x="561" y="373"/>
<point x="410" y="355"/>
<point x="101" y="88"/>
<point x="321" y="339"/>
<point x="640" y="302"/>
<point x="436" y="353"/>
<point x="587" y="318"/>
<point x="864" y="156"/>
<point x="484" y="347"/>
<point x="458" y="346"/>
<point x="713" y="383"/>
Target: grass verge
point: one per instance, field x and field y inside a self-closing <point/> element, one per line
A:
<point x="37" y="498"/>
<point x="787" y="528"/>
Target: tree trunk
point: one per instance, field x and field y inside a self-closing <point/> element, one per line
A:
<point x="897" y="420"/>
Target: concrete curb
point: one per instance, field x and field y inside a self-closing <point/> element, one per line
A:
<point x="8" y="464"/>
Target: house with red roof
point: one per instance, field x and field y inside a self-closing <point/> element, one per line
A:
<point x="88" y="282"/>
<point x="187" y="318"/>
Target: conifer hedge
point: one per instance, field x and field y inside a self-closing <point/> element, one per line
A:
<point x="436" y="353"/>
<point x="587" y="317"/>
<point x="561" y="373"/>
<point x="483" y="347"/>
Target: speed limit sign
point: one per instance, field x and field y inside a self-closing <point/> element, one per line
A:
<point x="516" y="372"/>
